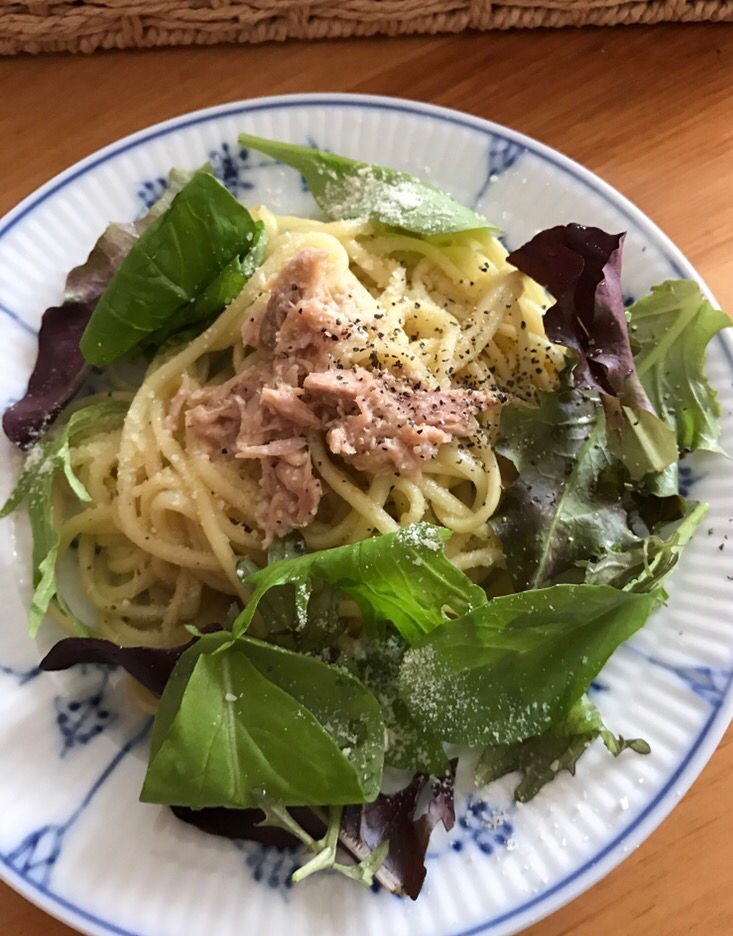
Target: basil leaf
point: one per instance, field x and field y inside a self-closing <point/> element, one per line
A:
<point x="242" y="719"/>
<point x="410" y="745"/>
<point x="348" y="189"/>
<point x="312" y="632"/>
<point x="177" y="179"/>
<point x="508" y="670"/>
<point x="540" y="759"/>
<point x="190" y="321"/>
<point x="170" y="265"/>
<point x="402" y="577"/>
<point x="44" y="464"/>
<point x="566" y="504"/>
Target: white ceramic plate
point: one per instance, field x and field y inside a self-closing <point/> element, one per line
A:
<point x="73" y="837"/>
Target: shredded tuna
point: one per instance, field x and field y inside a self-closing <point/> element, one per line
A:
<point x="291" y="493"/>
<point x="286" y="402"/>
<point x="216" y="415"/>
<point x="373" y="420"/>
<point x="382" y="423"/>
<point x="299" y="318"/>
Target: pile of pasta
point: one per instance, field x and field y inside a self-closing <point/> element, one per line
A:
<point x="158" y="543"/>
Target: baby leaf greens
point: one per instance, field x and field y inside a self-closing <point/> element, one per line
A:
<point x="277" y="723"/>
<point x="326" y="848"/>
<point x="565" y="504"/>
<point x="35" y="488"/>
<point x="182" y="266"/>
<point x="60" y="369"/>
<point x="574" y="501"/>
<point x="644" y="566"/>
<point x="192" y="253"/>
<point x="581" y="267"/>
<point x="347" y="189"/>
<point x="507" y="671"/>
<point x="403" y="578"/>
<point x="671" y="328"/>
<point x="541" y="758"/>
<point x="405" y="821"/>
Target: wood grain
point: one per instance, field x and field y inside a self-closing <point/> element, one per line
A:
<point x="648" y="108"/>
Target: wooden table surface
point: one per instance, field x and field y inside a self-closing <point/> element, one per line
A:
<point x="650" y="109"/>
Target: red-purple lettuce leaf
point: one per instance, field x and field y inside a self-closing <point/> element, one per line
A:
<point x="405" y="819"/>
<point x="150" y="666"/>
<point x="60" y="369"/>
<point x="247" y="825"/>
<point x="581" y="268"/>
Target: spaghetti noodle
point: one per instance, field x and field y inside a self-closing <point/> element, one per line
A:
<point x="168" y="520"/>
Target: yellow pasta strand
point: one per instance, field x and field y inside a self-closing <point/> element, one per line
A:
<point x="157" y="545"/>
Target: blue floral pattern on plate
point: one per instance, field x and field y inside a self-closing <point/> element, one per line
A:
<point x="22" y="675"/>
<point x="40" y="850"/>
<point x="82" y="718"/>
<point x="271" y="865"/>
<point x="709" y="683"/>
<point x="484" y="826"/>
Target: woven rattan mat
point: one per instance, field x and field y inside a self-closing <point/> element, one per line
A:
<point x="86" y="25"/>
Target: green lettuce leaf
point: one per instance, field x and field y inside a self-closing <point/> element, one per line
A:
<point x="566" y="504"/>
<point x="541" y="758"/>
<point x="171" y="265"/>
<point x="345" y="189"/>
<point x="510" y="669"/>
<point x="403" y="578"/>
<point x="671" y="328"/>
<point x="639" y="439"/>
<point x="645" y="566"/>
<point x="45" y="463"/>
<point x="240" y="720"/>
<point x="571" y="502"/>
